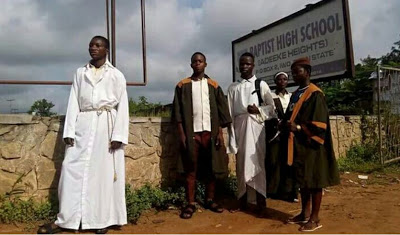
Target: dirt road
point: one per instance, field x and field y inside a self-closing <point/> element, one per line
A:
<point x="355" y="206"/>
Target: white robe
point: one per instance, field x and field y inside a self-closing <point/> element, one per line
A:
<point x="247" y="135"/>
<point x="87" y="191"/>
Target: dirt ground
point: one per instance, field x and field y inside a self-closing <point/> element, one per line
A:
<point x="355" y="206"/>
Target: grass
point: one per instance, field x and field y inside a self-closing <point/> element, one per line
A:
<point x="363" y="158"/>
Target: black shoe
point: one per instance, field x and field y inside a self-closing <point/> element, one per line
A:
<point x="101" y="231"/>
<point x="49" y="229"/>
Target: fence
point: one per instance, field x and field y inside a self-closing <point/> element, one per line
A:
<point x="387" y="95"/>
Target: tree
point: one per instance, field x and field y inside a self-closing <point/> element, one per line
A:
<point x="355" y="95"/>
<point x="392" y="58"/>
<point x="352" y="95"/>
<point x="42" y="108"/>
<point x="143" y="108"/>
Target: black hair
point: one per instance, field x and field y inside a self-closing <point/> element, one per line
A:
<point x="198" y="53"/>
<point x="248" y="54"/>
<point x="105" y="40"/>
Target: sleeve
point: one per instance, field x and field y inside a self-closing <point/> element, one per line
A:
<point x="121" y="124"/>
<point x="72" y="110"/>
<point x="176" y="115"/>
<point x="315" y="122"/>
<point x="267" y="109"/>
<point x="223" y="110"/>
<point x="232" y="144"/>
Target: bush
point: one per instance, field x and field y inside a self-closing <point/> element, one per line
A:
<point x="361" y="158"/>
<point x="149" y="197"/>
<point x="24" y="211"/>
<point x="15" y="209"/>
<point x="42" y="108"/>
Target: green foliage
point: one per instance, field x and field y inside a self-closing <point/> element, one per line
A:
<point x="352" y="95"/>
<point x="149" y="197"/>
<point x="42" y="108"/>
<point x="363" y="157"/>
<point x="143" y="108"/>
<point x="360" y="158"/>
<point x="15" y="209"/>
<point x="24" y="211"/>
<point x="355" y="95"/>
<point x="230" y="187"/>
<point x="392" y="58"/>
<point x="227" y="188"/>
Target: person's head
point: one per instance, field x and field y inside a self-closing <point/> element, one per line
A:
<point x="301" y="70"/>
<point x="246" y="65"/>
<point x="198" y="62"/>
<point x="99" y="47"/>
<point x="281" y="80"/>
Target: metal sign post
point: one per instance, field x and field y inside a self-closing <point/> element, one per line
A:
<point x="113" y="50"/>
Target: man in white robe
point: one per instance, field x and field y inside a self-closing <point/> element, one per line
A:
<point x="247" y="133"/>
<point x="91" y="189"/>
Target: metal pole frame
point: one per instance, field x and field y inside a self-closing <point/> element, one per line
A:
<point x="108" y="23"/>
<point x="113" y="51"/>
<point x="378" y="68"/>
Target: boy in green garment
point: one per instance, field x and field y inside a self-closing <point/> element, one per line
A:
<point x="310" y="148"/>
<point x="200" y="111"/>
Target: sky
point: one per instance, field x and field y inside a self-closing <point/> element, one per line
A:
<point x="48" y="40"/>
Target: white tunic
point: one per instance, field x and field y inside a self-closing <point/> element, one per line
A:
<point x="247" y="134"/>
<point x="87" y="191"/>
<point x="284" y="98"/>
<point x="201" y="106"/>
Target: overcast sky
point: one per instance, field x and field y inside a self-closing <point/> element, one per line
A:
<point x="48" y="40"/>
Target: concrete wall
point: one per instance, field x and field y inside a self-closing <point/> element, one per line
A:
<point x="32" y="151"/>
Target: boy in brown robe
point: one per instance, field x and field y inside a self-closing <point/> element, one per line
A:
<point x="200" y="111"/>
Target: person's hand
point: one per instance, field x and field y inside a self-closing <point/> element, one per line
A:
<point x="69" y="141"/>
<point x="292" y="126"/>
<point x="115" y="145"/>
<point x="252" y="109"/>
<point x="220" y="140"/>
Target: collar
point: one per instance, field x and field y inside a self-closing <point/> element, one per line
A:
<point x="202" y="79"/>
<point x="252" y="79"/>
<point x="303" y="89"/>
<point x="284" y="92"/>
<point x="205" y="77"/>
<point x="106" y="65"/>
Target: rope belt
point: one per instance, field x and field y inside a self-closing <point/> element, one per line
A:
<point x="108" y="110"/>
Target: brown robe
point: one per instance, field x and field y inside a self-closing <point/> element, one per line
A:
<point x="183" y="113"/>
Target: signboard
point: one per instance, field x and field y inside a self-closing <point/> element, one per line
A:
<point x="321" y="32"/>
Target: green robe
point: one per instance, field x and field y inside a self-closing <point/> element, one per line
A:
<point x="280" y="182"/>
<point x="314" y="161"/>
<point x="183" y="113"/>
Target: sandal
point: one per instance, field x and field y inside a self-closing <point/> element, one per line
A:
<point x="188" y="211"/>
<point x="298" y="219"/>
<point x="49" y="229"/>
<point x="212" y="206"/>
<point x="310" y="226"/>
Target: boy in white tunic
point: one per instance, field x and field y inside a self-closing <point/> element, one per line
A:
<point x="247" y="133"/>
<point x="91" y="189"/>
